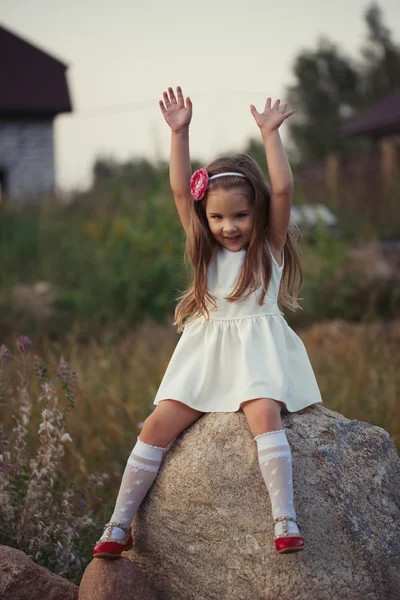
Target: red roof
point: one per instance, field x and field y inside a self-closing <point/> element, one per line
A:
<point x="33" y="83"/>
<point x="381" y="118"/>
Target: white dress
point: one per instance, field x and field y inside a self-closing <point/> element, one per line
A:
<point x="245" y="351"/>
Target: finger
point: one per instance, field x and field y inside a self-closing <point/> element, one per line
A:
<point x="166" y="100"/>
<point x="189" y="104"/>
<point x="267" y="104"/>
<point x="163" y="109"/>
<point x="180" y="95"/>
<point x="289" y="113"/>
<point x="253" y="110"/>
<point x="284" y="108"/>
<point x="172" y="95"/>
<point x="276" y="105"/>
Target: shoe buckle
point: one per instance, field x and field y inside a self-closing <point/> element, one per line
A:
<point x="284" y="521"/>
<point x="109" y="527"/>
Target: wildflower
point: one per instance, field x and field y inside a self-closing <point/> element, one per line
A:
<point x="67" y="377"/>
<point x="46" y="426"/>
<point x="41" y="370"/>
<point x="5" y="354"/>
<point x="35" y="511"/>
<point x="65" y="370"/>
<point x="98" y="479"/>
<point x="23" y="343"/>
<point x="5" y="368"/>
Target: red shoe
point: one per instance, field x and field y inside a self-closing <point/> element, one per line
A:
<point x="110" y="547"/>
<point x="287" y="542"/>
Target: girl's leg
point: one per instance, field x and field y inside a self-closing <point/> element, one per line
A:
<point x="274" y="457"/>
<point x="166" y="422"/>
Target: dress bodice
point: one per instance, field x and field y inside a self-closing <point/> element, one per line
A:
<point x="222" y="275"/>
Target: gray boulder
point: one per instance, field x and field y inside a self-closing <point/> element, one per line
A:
<point x="205" y="530"/>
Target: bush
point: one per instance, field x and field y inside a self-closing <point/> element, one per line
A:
<point x="118" y="265"/>
<point x="338" y="288"/>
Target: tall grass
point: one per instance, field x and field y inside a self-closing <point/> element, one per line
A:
<point x="40" y="513"/>
<point x="49" y="503"/>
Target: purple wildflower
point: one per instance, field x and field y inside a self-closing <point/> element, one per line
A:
<point x="41" y="370"/>
<point x="5" y="353"/>
<point x="65" y="371"/>
<point x="10" y="467"/>
<point x="67" y="377"/>
<point x="23" y="342"/>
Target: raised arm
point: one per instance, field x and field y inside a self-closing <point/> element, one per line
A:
<point x="279" y="170"/>
<point x="178" y="117"/>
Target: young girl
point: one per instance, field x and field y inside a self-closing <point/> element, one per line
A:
<point x="237" y="351"/>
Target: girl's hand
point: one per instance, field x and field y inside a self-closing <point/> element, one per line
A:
<point x="175" y="113"/>
<point x="271" y="118"/>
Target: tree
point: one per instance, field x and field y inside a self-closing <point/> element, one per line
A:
<point x="380" y="64"/>
<point x="327" y="88"/>
<point x="330" y="86"/>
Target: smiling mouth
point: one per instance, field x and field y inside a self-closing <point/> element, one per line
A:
<point x="233" y="238"/>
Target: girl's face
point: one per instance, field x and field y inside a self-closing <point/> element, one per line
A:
<point x="230" y="217"/>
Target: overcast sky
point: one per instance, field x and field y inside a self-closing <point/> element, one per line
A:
<point x="123" y="54"/>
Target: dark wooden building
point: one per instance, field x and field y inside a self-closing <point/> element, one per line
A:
<point x="378" y="121"/>
<point x="365" y="185"/>
<point x="34" y="91"/>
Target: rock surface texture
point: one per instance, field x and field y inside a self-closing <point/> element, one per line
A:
<point x="22" y="579"/>
<point x="205" y="530"/>
<point x="117" y="579"/>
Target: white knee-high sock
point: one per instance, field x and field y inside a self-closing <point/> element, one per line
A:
<point x="140" y="471"/>
<point x="275" y="460"/>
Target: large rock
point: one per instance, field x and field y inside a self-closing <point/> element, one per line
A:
<point x="205" y="530"/>
<point x="117" y="579"/>
<point x="22" y="579"/>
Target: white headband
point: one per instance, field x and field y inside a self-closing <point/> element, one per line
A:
<point x="223" y="174"/>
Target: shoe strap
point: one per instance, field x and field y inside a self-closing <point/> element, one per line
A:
<point x="117" y="524"/>
<point x="285" y="519"/>
<point x="278" y="519"/>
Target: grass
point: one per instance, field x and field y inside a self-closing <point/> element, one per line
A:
<point x="357" y="367"/>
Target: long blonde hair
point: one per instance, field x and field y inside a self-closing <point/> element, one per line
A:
<point x="257" y="267"/>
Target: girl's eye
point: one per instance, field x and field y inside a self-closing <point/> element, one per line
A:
<point x="239" y="215"/>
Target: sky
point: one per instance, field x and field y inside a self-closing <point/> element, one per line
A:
<point x="122" y="55"/>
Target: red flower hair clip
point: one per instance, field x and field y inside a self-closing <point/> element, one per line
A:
<point x="199" y="182"/>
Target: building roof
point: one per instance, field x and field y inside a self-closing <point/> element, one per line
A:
<point x="380" y="119"/>
<point x="33" y="83"/>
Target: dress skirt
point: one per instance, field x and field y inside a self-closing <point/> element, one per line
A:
<point x="220" y="364"/>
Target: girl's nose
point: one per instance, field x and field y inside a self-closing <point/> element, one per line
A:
<point x="230" y="228"/>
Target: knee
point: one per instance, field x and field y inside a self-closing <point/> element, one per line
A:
<point x="262" y="407"/>
<point x="268" y="415"/>
<point x="153" y="426"/>
<point x="263" y="415"/>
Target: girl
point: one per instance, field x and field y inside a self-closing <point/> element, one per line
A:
<point x="237" y="351"/>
